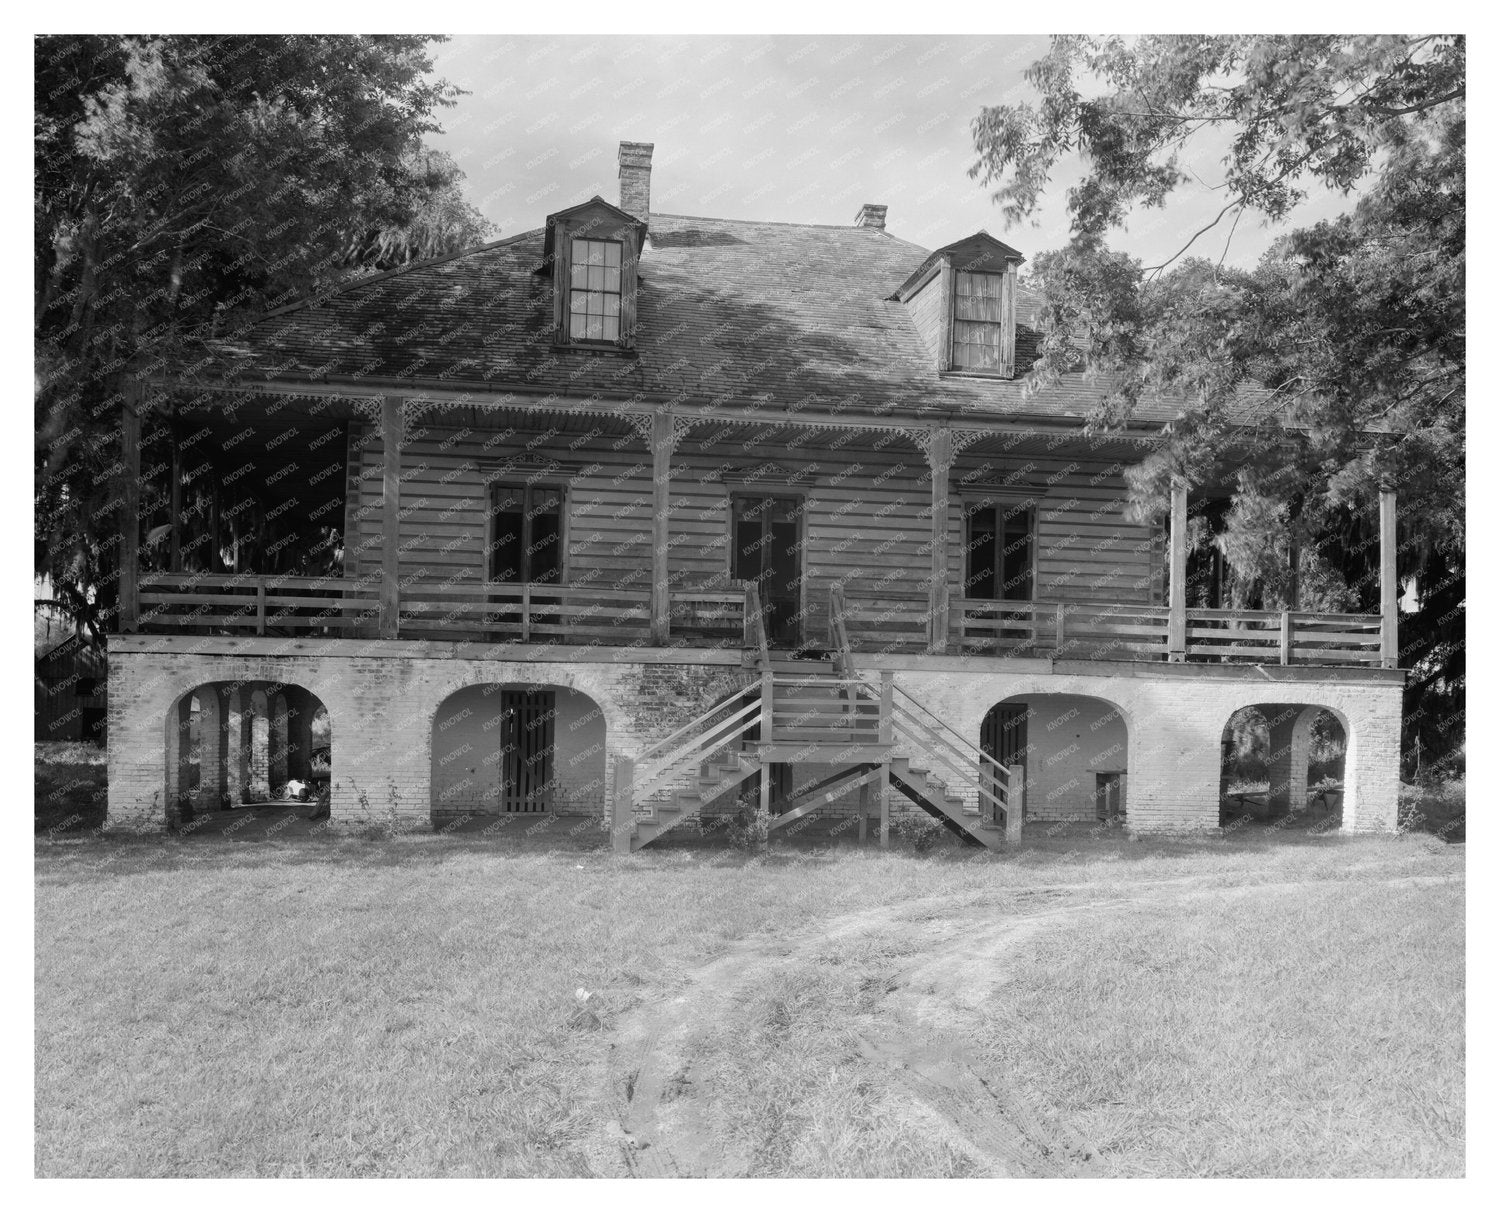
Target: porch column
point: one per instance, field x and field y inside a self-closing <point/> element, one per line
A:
<point x="223" y="770"/>
<point x="390" y="517"/>
<point x="279" y="744"/>
<point x="174" y="541"/>
<point x="1390" y="589"/>
<point x="239" y="742"/>
<point x="940" y="462"/>
<point x="662" y="446"/>
<point x="1177" y="586"/>
<point x="130" y="509"/>
<point x="259" y="713"/>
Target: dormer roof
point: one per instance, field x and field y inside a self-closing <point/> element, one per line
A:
<point x="978" y="252"/>
<point x="610" y="218"/>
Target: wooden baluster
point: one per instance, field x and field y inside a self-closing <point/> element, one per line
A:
<point x="1061" y="615"/>
<point x="260" y="606"/>
<point x="1286" y="638"/>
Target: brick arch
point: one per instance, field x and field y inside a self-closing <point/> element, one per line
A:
<point x="467" y="770"/>
<point x="1290" y="742"/>
<point x="1063" y="776"/>
<point x="237" y="737"/>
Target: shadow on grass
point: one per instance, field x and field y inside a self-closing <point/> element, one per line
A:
<point x="64" y="857"/>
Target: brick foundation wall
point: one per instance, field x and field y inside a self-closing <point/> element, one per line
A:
<point x="382" y="709"/>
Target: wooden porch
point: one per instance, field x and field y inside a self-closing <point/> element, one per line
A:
<point x="588" y="615"/>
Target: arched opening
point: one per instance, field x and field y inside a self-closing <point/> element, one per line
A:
<point x="517" y="750"/>
<point x="1075" y="751"/>
<point x="230" y="745"/>
<point x="1280" y="761"/>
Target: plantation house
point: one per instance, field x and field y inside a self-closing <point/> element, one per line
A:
<point x="642" y="517"/>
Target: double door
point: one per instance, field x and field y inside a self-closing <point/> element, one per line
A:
<point x="767" y="549"/>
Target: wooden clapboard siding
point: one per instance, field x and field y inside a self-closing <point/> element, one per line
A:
<point x="865" y="522"/>
<point x="1086" y="547"/>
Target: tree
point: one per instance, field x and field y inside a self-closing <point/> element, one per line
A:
<point x="184" y="184"/>
<point x="1345" y="344"/>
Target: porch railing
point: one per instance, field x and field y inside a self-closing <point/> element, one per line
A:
<point x="258" y="605"/>
<point x="524" y="612"/>
<point x="730" y="617"/>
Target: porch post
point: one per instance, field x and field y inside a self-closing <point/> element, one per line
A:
<point x="174" y="550"/>
<point x="1177" y="587"/>
<point x="661" y="501"/>
<point x="940" y="462"/>
<point x="130" y="509"/>
<point x="390" y="540"/>
<point x="1390" y="645"/>
<point x="622" y="817"/>
<point x="1015" y="803"/>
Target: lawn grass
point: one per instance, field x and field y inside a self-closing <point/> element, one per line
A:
<point x="330" y="1006"/>
<point x="1310" y="1030"/>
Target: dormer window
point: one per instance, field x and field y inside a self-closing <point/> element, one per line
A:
<point x="978" y="327"/>
<point x="594" y="294"/>
<point x="962" y="300"/>
<point x="593" y="254"/>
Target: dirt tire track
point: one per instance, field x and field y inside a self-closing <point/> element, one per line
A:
<point x="658" y="1134"/>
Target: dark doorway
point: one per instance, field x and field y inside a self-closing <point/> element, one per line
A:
<point x="526" y="750"/>
<point x="768" y="550"/>
<point x="1002" y="734"/>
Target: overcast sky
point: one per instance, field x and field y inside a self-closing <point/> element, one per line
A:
<point x="800" y="129"/>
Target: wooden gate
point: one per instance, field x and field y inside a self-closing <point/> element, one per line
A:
<point x="526" y="719"/>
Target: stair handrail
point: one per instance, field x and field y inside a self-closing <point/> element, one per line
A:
<point x="945" y="734"/>
<point x="755" y="626"/>
<point x="692" y="754"/>
<point x="656" y="747"/>
<point x="950" y="758"/>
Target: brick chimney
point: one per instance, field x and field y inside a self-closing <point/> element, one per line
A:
<point x="872" y="214"/>
<point x="635" y="179"/>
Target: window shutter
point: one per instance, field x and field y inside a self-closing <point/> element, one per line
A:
<point x="945" y="284"/>
<point x="562" y="257"/>
<point x="1008" y="322"/>
<point x="629" y="284"/>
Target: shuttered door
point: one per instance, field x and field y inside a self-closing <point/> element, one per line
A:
<point x="1003" y="735"/>
<point x="526" y="760"/>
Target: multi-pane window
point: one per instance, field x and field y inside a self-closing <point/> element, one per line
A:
<point x="526" y="540"/>
<point x="1000" y="546"/>
<point x="976" y="321"/>
<point x="594" y="291"/>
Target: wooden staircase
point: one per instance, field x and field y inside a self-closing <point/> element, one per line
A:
<point x="816" y="710"/>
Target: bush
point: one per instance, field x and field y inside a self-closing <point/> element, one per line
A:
<point x="70" y="786"/>
<point x="923" y="832"/>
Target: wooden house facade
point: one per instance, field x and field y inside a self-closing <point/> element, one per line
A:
<point x="640" y="517"/>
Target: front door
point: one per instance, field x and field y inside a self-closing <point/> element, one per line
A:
<point x="768" y="551"/>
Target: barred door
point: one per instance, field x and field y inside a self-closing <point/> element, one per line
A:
<point x="526" y="757"/>
<point x="1003" y="735"/>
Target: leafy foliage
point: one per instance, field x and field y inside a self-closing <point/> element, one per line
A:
<point x="1343" y="349"/>
<point x="184" y="184"/>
